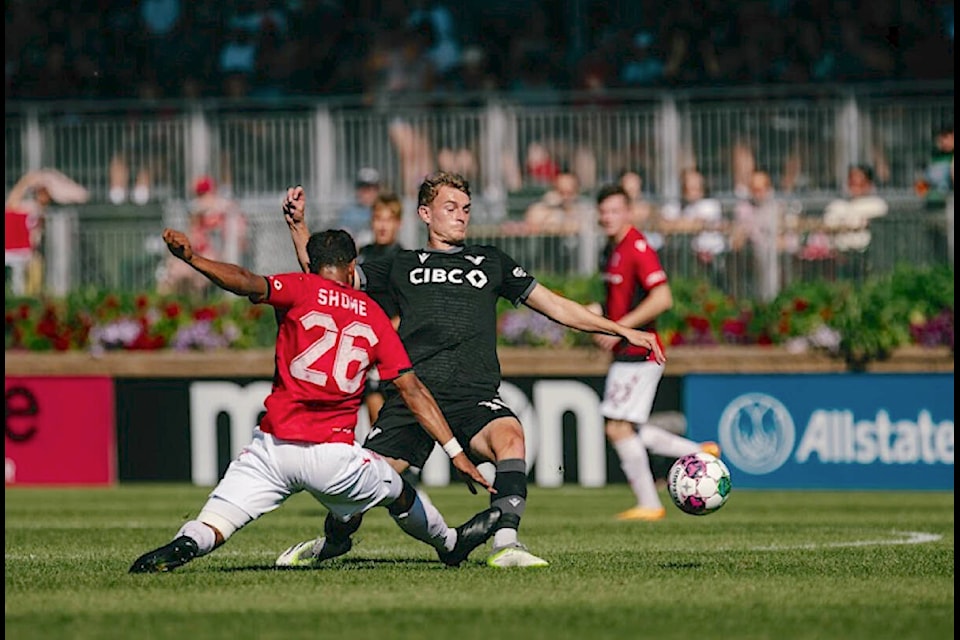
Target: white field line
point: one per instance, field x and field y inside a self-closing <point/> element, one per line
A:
<point x="903" y="537"/>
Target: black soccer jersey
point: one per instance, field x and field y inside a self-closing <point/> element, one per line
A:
<point x="372" y="252"/>
<point x="447" y="302"/>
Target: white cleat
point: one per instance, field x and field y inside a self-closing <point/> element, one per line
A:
<point x="311" y="553"/>
<point x="514" y="555"/>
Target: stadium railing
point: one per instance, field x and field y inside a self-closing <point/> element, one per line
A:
<point x="804" y="136"/>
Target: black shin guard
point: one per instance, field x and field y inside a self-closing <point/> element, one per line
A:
<point x="511" y="497"/>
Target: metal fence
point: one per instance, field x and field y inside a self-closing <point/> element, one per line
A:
<point x="805" y="138"/>
<point x="120" y="248"/>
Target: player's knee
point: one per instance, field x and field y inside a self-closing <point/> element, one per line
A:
<point x="506" y="440"/>
<point x="404" y="502"/>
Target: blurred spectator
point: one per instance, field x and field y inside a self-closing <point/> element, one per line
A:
<point x="386" y="216"/>
<point x="563" y="210"/>
<point x="937" y="181"/>
<point x="699" y="214"/>
<point x="643" y="215"/>
<point x="355" y="217"/>
<point x="24" y="216"/>
<point x="217" y="229"/>
<point x="765" y="228"/>
<point x="848" y="218"/>
<point x="541" y="168"/>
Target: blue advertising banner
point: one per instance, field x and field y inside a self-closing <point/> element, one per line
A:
<point x="827" y="431"/>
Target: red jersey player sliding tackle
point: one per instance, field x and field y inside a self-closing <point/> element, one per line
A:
<point x="329" y="336"/>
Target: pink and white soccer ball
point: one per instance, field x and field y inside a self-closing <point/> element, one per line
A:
<point x="699" y="483"/>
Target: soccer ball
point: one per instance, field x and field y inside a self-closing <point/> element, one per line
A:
<point x="699" y="483"/>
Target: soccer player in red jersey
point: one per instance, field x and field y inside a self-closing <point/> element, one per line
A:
<point x="329" y="336"/>
<point x="446" y="295"/>
<point x="637" y="292"/>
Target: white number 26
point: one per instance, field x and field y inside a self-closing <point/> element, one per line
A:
<point x="347" y="352"/>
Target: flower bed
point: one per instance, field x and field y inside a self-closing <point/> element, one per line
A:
<point x="854" y="324"/>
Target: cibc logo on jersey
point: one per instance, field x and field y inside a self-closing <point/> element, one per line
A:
<point x="439" y="275"/>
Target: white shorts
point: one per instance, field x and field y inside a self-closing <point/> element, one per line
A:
<point x="346" y="478"/>
<point x="629" y="390"/>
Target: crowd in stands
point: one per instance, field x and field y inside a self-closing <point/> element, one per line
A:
<point x="386" y="49"/>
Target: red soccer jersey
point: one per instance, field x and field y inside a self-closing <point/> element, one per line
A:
<point x="16" y="231"/>
<point x="329" y="336"/>
<point x="630" y="270"/>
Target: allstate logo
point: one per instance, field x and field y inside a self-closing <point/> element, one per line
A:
<point x="757" y="433"/>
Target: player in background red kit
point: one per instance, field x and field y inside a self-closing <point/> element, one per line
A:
<point x="329" y="336"/>
<point x="637" y="292"/>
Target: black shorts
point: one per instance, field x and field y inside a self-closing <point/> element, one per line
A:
<point x="397" y="434"/>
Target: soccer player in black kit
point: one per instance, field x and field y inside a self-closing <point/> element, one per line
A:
<point x="446" y="295"/>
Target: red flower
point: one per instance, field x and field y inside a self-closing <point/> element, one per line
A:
<point x="172" y="310"/>
<point x="62" y="342"/>
<point x="800" y="305"/>
<point x="734" y="327"/>
<point x="141" y="302"/>
<point x="698" y="323"/>
<point x="205" y="313"/>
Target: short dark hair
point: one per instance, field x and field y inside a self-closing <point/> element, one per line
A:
<point x="865" y="169"/>
<point x="430" y="186"/>
<point x="609" y="190"/>
<point x="331" y="248"/>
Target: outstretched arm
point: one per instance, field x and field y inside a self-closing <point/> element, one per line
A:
<point x="577" y="316"/>
<point x="229" y="277"/>
<point x="294" y="212"/>
<point x="428" y="414"/>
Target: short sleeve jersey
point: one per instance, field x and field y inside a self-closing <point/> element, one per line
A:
<point x="631" y="269"/>
<point x="447" y="303"/>
<point x="372" y="252"/>
<point x="329" y="335"/>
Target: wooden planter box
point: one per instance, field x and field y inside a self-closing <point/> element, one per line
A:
<point x="515" y="361"/>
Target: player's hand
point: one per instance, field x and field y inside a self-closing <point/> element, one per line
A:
<point x="178" y="244"/>
<point x="647" y="340"/>
<point x="605" y="342"/>
<point x="294" y="205"/>
<point x="470" y="474"/>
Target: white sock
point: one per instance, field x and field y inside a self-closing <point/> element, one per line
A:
<point x="425" y="523"/>
<point x="201" y="534"/>
<point x="636" y="466"/>
<point x="664" y="443"/>
<point x="504" y="538"/>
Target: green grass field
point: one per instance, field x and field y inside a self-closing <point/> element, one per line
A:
<point x="779" y="565"/>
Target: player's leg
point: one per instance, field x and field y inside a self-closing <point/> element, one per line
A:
<point x="665" y="443"/>
<point x="366" y="480"/>
<point x="628" y="396"/>
<point x="501" y="440"/>
<point x="252" y="485"/>
<point x="423" y="521"/>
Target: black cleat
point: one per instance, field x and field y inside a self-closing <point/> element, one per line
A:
<point x="470" y="535"/>
<point x="168" y="557"/>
